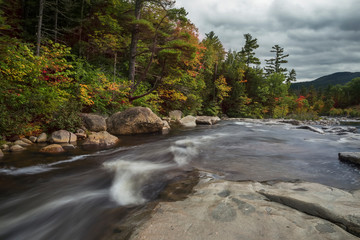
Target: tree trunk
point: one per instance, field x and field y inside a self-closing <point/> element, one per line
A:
<point x="134" y="41"/>
<point x="56" y="20"/>
<point x="81" y="27"/>
<point x="38" y="42"/>
<point x="115" y="59"/>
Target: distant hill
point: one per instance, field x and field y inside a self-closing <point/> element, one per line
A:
<point x="333" y="79"/>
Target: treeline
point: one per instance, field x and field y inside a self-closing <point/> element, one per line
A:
<point x="61" y="57"/>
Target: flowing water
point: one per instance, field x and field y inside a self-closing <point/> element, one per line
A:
<point x="80" y="195"/>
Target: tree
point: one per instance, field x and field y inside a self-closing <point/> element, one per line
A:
<point x="38" y="35"/>
<point x="274" y="64"/>
<point x="248" y="51"/>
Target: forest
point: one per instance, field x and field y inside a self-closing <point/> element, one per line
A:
<point x="62" y="57"/>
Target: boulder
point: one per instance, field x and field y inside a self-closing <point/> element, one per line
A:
<point x="5" y="147"/>
<point x="21" y="143"/>
<point x="134" y="121"/>
<point x="16" y="148"/>
<point x="53" y="148"/>
<point x="166" y="127"/>
<point x="1" y="154"/>
<point x="68" y="146"/>
<point x="42" y="138"/>
<point x="62" y="136"/>
<point x="25" y="140"/>
<point x="101" y="138"/>
<point x="353" y="157"/>
<point x="33" y="139"/>
<point x="93" y="122"/>
<point x="314" y="129"/>
<point x="207" y="120"/>
<point x="188" y="121"/>
<point x="254" y="211"/>
<point x="81" y="136"/>
<point x="291" y="121"/>
<point x="341" y="130"/>
<point x="175" y="115"/>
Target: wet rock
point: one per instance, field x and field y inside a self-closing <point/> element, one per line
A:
<point x="68" y="146"/>
<point x="206" y="214"/>
<point x="134" y="121"/>
<point x="188" y="121"/>
<point x="42" y="138"/>
<point x="93" y="122"/>
<point x="175" y="115"/>
<point x="101" y="138"/>
<point x="16" y="148"/>
<point x="353" y="157"/>
<point x="53" y="148"/>
<point x="207" y="120"/>
<point x="33" y="139"/>
<point x="291" y="121"/>
<point x="314" y="129"/>
<point x="21" y="143"/>
<point x="341" y="130"/>
<point x="62" y="136"/>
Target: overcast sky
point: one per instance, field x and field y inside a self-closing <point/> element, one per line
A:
<point x="321" y="36"/>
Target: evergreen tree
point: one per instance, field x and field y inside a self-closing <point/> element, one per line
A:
<point x="274" y="64"/>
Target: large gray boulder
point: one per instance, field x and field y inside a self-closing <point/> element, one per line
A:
<point x="255" y="211"/>
<point x="16" y="148"/>
<point x="62" y="136"/>
<point x="42" y="138"/>
<point x="188" y="121"/>
<point x="353" y="157"/>
<point x="53" y="148"/>
<point x="134" y="121"/>
<point x="93" y="122"/>
<point x="175" y="115"/>
<point x="101" y="139"/>
<point x="207" y="120"/>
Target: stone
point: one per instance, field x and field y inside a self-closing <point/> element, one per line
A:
<point x="81" y="136"/>
<point x="166" y="127"/>
<point x="314" y="129"/>
<point x="61" y="136"/>
<point x="219" y="210"/>
<point x="25" y="140"/>
<point x="134" y="121"/>
<point x="68" y="146"/>
<point x="188" y="121"/>
<point x="101" y="138"/>
<point x="73" y="137"/>
<point x="94" y="122"/>
<point x="5" y="147"/>
<point x="42" y="138"/>
<point x="175" y="115"/>
<point x="353" y="157"/>
<point x="21" y="143"/>
<point x="33" y="139"/>
<point x="1" y="154"/>
<point x="291" y="121"/>
<point x="80" y="131"/>
<point x="207" y="120"/>
<point x="53" y="148"/>
<point x="16" y="148"/>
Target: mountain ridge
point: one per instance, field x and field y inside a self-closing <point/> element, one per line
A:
<point x="332" y="79"/>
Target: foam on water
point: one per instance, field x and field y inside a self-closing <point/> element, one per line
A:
<point x="129" y="178"/>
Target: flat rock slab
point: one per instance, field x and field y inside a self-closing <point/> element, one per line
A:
<point x="353" y="157"/>
<point x="231" y="210"/>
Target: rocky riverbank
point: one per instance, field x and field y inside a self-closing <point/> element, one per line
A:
<point x="221" y="209"/>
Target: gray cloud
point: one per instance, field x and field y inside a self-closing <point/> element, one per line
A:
<point x="321" y="36"/>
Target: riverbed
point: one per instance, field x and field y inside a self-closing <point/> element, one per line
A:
<point x="92" y="193"/>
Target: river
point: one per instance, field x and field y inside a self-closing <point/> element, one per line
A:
<point x="92" y="194"/>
